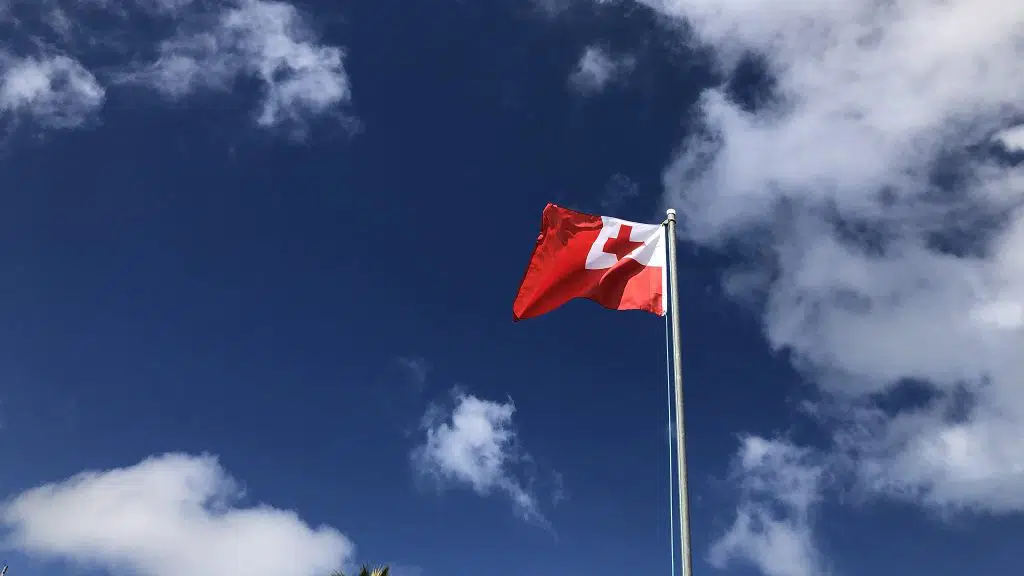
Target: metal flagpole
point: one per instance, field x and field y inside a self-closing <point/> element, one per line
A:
<point x="677" y="376"/>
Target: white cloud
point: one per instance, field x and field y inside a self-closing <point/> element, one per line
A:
<point x="168" y="515"/>
<point x="880" y="268"/>
<point x="56" y="91"/>
<point x="262" y="39"/>
<point x="475" y="446"/>
<point x="597" y="68"/>
<point x="220" y="45"/>
<point x="772" y="531"/>
<point x="1012" y="138"/>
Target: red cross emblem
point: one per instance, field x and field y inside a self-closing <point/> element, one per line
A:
<point x="621" y="245"/>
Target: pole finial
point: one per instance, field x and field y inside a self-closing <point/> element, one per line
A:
<point x="671" y="213"/>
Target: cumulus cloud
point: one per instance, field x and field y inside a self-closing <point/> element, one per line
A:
<point x="772" y="531"/>
<point x="597" y="68"/>
<point x="475" y="446"/>
<point x="55" y="91"/>
<point x="885" y="240"/>
<point x="167" y="515"/>
<point x="266" y="40"/>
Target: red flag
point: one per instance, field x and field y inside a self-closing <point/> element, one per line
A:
<point x="616" y="263"/>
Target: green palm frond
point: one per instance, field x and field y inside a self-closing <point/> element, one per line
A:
<point x="367" y="571"/>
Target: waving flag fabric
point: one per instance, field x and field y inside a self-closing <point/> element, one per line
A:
<point x="616" y="263"/>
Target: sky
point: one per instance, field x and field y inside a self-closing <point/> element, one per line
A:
<point x="259" y="261"/>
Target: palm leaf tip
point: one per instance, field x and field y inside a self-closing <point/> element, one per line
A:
<point x="367" y="571"/>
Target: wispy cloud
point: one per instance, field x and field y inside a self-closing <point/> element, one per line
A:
<point x="552" y="8"/>
<point x="474" y="445"/>
<point x="161" y="6"/>
<point x="887" y="241"/>
<point x="54" y="90"/>
<point x="598" y="68"/>
<point x="619" y="190"/>
<point x="262" y="39"/>
<point x="199" y="47"/>
<point x="780" y="485"/>
<point x="415" y="368"/>
<point x="167" y="515"/>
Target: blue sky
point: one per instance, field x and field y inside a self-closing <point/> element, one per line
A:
<point x="260" y="259"/>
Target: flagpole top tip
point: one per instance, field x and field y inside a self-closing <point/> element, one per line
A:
<point x="671" y="212"/>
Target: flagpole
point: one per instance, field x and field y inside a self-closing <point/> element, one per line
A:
<point x="677" y="376"/>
